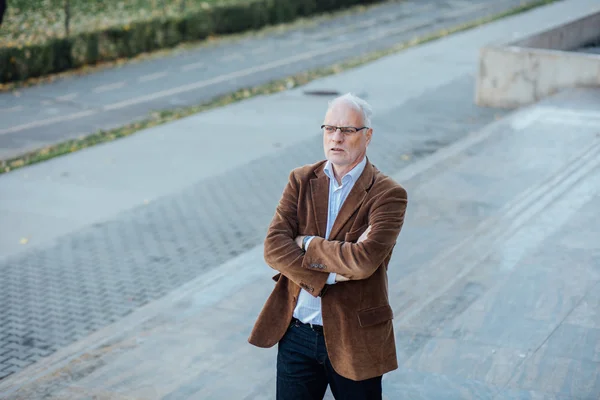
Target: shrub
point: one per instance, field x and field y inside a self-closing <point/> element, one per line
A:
<point x="60" y="54"/>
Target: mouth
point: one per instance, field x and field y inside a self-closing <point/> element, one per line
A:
<point x="336" y="150"/>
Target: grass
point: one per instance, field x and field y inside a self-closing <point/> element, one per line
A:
<point x="28" y="22"/>
<point x="280" y="85"/>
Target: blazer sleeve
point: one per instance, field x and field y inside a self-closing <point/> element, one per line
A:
<point x="358" y="261"/>
<point x="280" y="249"/>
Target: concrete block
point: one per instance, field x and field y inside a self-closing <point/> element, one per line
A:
<point x="523" y="71"/>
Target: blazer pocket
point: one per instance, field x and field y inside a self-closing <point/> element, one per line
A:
<point x="375" y="315"/>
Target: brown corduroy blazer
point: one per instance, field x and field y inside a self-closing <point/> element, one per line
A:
<point x="357" y="317"/>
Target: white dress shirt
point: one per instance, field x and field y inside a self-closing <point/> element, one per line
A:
<point x="308" y="308"/>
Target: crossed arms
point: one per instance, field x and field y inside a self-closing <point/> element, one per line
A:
<point x="353" y="261"/>
<point x="336" y="277"/>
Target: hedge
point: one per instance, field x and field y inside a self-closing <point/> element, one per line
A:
<point x="57" y="55"/>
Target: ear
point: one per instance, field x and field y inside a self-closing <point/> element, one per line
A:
<point x="368" y="135"/>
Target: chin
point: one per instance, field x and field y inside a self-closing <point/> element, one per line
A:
<point x="339" y="158"/>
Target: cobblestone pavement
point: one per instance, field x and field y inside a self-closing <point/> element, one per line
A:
<point x="56" y="295"/>
<point x="79" y="105"/>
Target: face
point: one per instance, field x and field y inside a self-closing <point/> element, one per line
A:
<point x="345" y="151"/>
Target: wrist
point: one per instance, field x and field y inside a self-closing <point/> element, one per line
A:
<point x="305" y="240"/>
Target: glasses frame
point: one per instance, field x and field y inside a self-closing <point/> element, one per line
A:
<point x="344" y="127"/>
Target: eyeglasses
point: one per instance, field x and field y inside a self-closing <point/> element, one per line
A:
<point x="346" y="130"/>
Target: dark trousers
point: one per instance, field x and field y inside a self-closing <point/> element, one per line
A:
<point x="304" y="370"/>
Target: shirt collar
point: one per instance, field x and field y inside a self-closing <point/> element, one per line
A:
<point x="353" y="174"/>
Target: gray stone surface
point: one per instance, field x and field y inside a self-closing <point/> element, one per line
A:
<point x="91" y="277"/>
<point x="77" y="105"/>
<point x="497" y="311"/>
<point x="508" y="212"/>
<point x="417" y="385"/>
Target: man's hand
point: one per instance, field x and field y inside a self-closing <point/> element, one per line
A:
<point x="362" y="238"/>
<point x="364" y="235"/>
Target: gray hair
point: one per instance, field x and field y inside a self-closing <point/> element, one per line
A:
<point x="360" y="104"/>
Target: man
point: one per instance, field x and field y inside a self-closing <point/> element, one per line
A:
<point x="331" y="240"/>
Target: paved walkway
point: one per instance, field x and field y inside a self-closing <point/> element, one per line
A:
<point x="495" y="286"/>
<point x="492" y="284"/>
<point x="79" y="105"/>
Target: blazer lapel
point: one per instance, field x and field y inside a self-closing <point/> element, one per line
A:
<point x="319" y="193"/>
<point x="354" y="200"/>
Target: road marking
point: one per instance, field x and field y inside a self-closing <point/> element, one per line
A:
<point x="152" y="77"/>
<point x="11" y="109"/>
<point x="221" y="78"/>
<point x="110" y="86"/>
<point x="48" y="121"/>
<point x="67" y="97"/>
<point x="189" y="67"/>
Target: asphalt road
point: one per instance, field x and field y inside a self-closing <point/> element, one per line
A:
<point x="74" y="106"/>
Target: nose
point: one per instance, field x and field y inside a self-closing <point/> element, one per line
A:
<point x="337" y="136"/>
